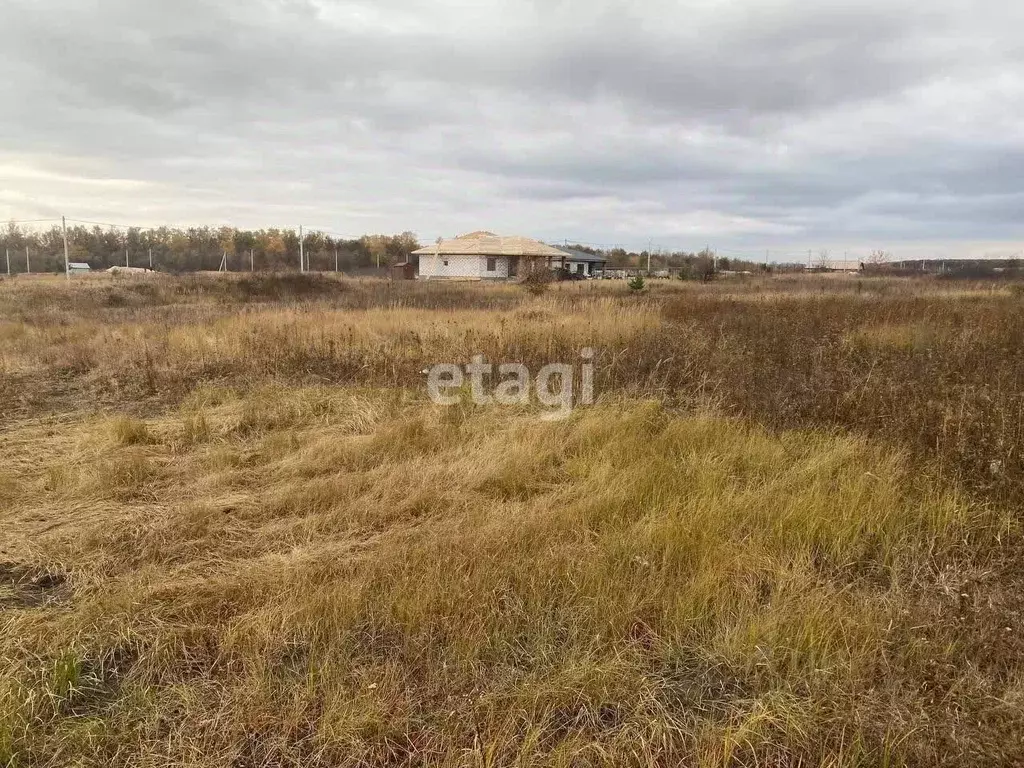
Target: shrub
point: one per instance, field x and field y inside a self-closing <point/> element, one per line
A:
<point x="637" y="284"/>
<point x="536" y="281"/>
<point x="115" y="298"/>
<point x="284" y="285"/>
<point x="129" y="431"/>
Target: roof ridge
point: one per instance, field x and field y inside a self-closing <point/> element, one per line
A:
<point x="488" y="244"/>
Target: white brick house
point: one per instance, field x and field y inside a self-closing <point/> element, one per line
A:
<point x="484" y="256"/>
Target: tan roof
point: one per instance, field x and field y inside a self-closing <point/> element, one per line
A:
<point x="490" y="244"/>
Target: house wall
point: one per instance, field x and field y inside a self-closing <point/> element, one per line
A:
<point x="457" y="266"/>
<point x="462" y="266"/>
<point x="574" y="267"/>
<point x="500" y="268"/>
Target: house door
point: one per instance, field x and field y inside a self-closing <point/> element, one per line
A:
<point x="513" y="266"/>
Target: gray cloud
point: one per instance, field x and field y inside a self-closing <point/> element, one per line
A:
<point x="748" y="124"/>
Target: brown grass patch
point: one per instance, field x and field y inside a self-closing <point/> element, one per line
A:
<point x="232" y="531"/>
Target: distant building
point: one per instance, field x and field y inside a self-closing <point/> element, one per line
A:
<point x="485" y="256"/>
<point x="403" y="271"/>
<point x="582" y="263"/>
<point x="78" y="268"/>
<point x="837" y="265"/>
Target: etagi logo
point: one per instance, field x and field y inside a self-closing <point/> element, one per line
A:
<point x="553" y="384"/>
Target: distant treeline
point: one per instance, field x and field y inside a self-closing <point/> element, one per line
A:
<point x="695" y="264"/>
<point x="953" y="268"/>
<point x="202" y="248"/>
<point x="197" y="248"/>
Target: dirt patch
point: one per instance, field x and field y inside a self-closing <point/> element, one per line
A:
<point x="26" y="587"/>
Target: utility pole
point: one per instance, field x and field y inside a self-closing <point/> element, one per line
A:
<point x="28" y="263"/>
<point x="150" y="259"/>
<point x="126" y="256"/>
<point x="252" y="261"/>
<point x="7" y="253"/>
<point x="64" y="235"/>
<point x="437" y="253"/>
<point x="335" y="260"/>
<point x="302" y="257"/>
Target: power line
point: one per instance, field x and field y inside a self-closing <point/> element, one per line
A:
<point x="576" y="241"/>
<point x="321" y="231"/>
<point x="108" y="224"/>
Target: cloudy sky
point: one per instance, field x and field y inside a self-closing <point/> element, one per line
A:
<point x="750" y="125"/>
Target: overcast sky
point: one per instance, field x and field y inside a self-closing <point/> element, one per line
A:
<point x="750" y="125"/>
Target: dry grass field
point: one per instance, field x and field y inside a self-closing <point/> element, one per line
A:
<point x="235" y="532"/>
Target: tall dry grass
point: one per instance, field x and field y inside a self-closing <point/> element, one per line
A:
<point x="233" y="532"/>
<point x="935" y="366"/>
<point x="321" y="577"/>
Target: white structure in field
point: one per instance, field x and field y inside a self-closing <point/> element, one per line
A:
<point x="485" y="256"/>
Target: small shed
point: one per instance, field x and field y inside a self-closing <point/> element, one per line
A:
<point x="78" y="268"/>
<point x="403" y="271"/>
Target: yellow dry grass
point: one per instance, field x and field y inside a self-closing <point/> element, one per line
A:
<point x="540" y="325"/>
<point x="378" y="335"/>
<point x="340" y="577"/>
<point x="233" y="532"/>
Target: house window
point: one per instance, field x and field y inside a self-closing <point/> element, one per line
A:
<point x="446" y="262"/>
<point x="492" y="263"/>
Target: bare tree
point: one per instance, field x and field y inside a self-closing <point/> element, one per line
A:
<point x="824" y="259"/>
